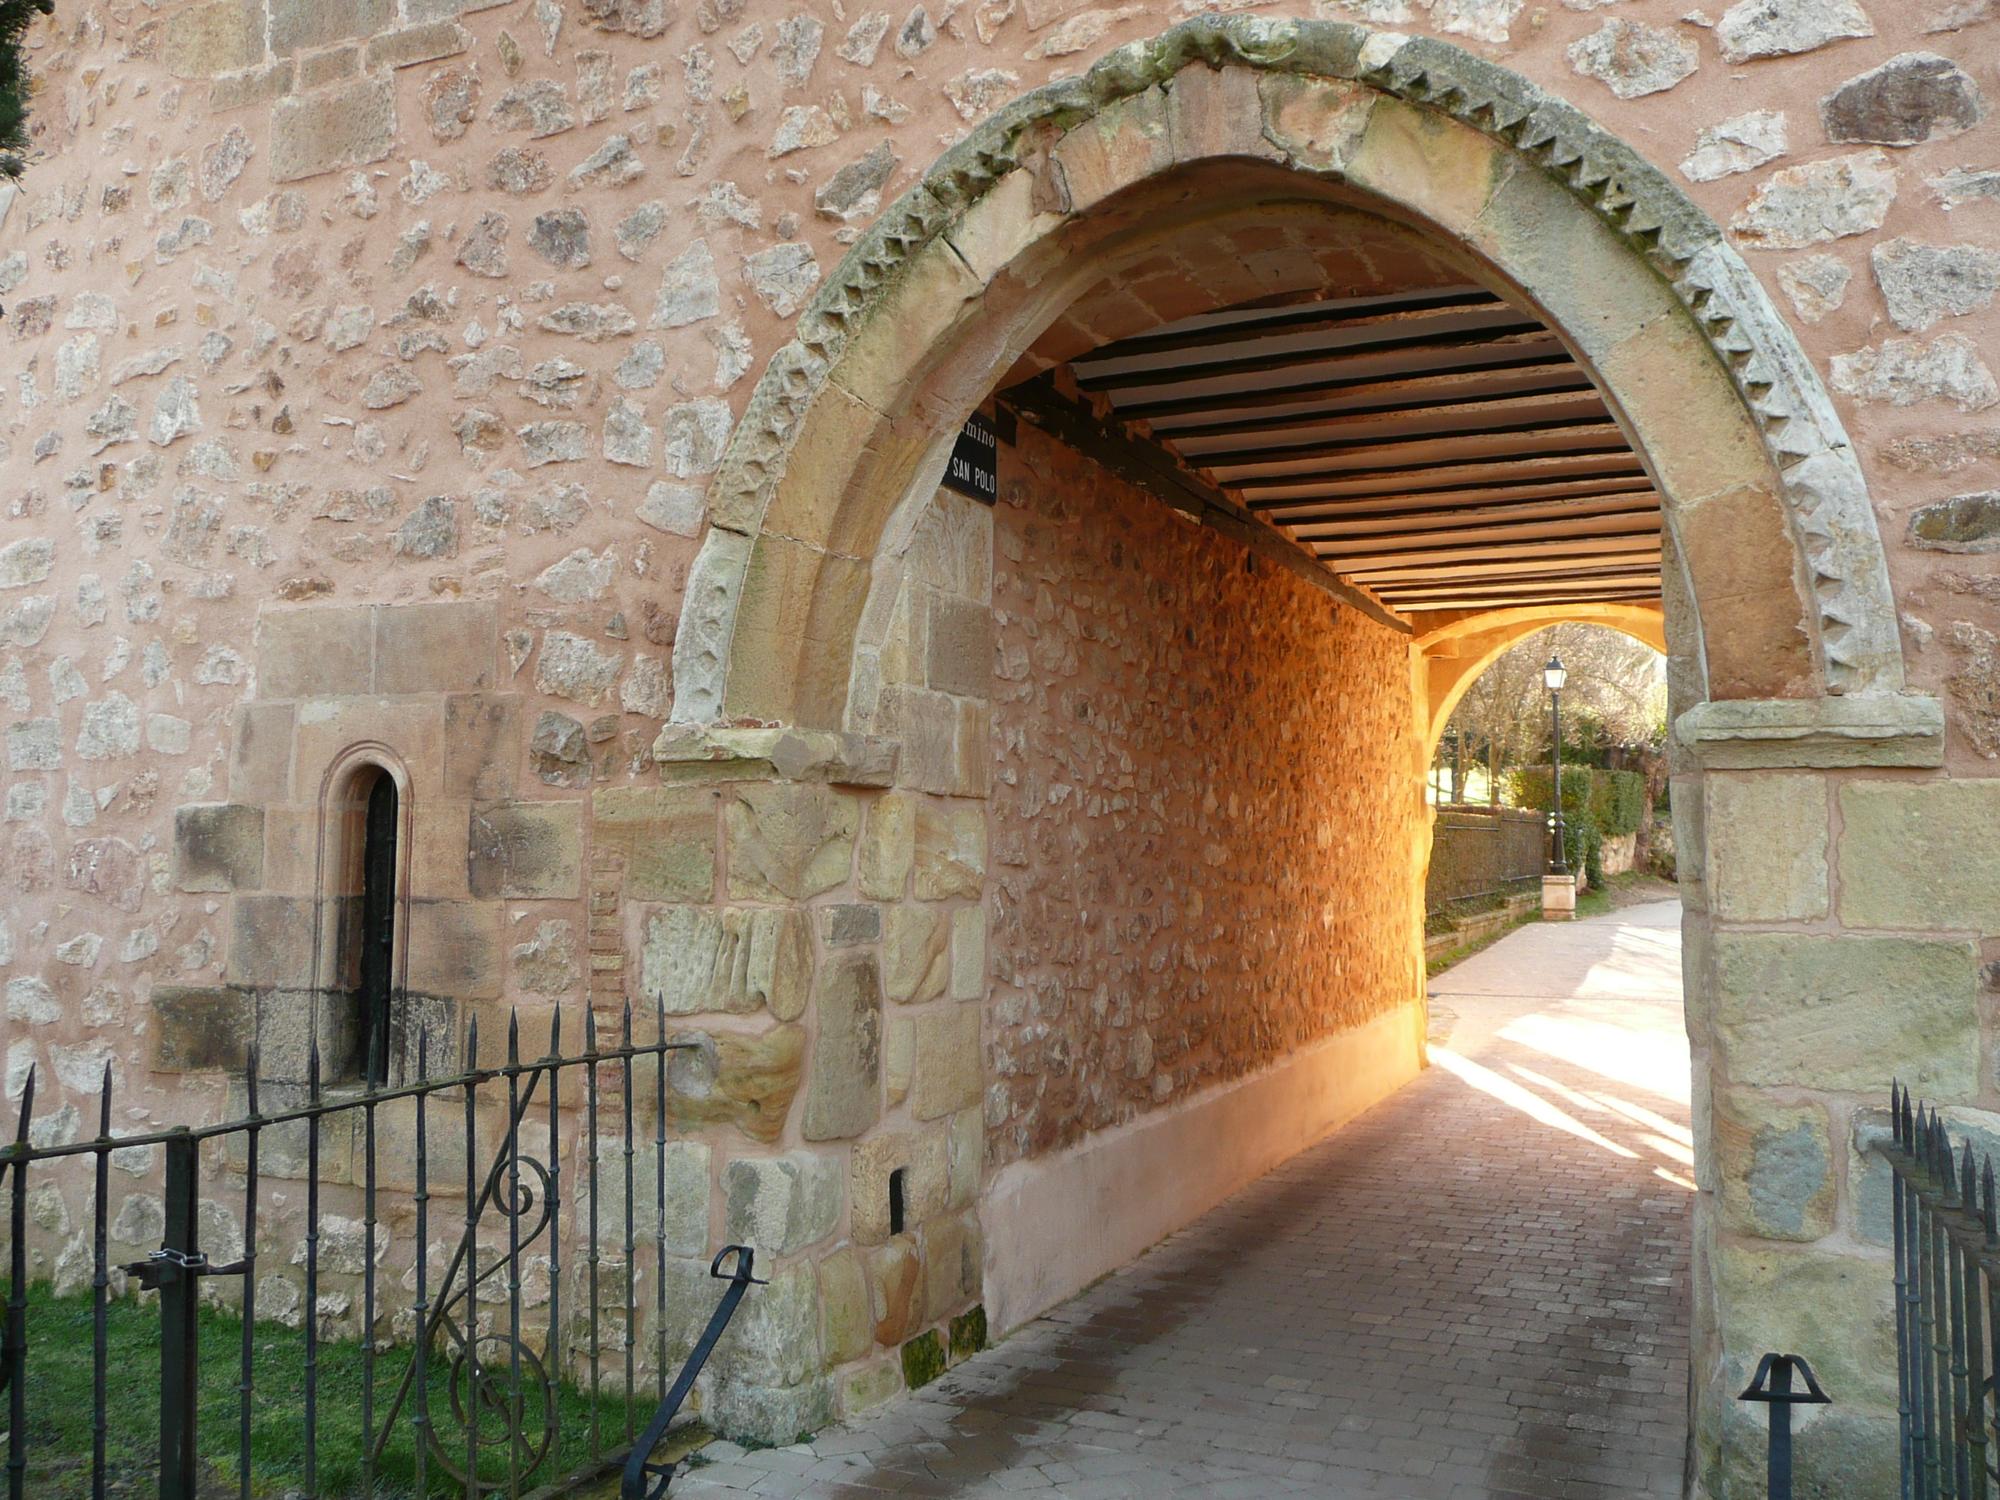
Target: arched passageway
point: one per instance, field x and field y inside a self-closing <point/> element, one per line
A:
<point x="1304" y="177"/>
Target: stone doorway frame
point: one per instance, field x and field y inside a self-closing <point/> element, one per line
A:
<point x="1783" y="638"/>
<point x="855" y="414"/>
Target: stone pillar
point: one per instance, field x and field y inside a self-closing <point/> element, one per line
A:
<point x="1830" y="948"/>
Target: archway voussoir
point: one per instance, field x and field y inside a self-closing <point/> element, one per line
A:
<point x="1123" y="144"/>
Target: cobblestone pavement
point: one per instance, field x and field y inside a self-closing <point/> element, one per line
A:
<point x="1478" y="1288"/>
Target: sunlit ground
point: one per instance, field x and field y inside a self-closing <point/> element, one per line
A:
<point x="1600" y="1003"/>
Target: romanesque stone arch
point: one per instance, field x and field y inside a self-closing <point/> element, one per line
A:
<point x="1765" y="500"/>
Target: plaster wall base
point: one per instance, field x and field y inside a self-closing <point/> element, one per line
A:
<point x="1054" y="1224"/>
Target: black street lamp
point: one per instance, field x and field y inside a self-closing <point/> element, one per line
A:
<point x="1554" y="675"/>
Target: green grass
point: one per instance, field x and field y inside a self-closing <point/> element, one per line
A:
<point x="58" y="1390"/>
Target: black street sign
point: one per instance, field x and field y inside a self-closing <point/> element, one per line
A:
<point x="974" y="467"/>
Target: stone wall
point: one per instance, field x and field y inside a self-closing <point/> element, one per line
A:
<point x="1199" y="780"/>
<point x="367" y="366"/>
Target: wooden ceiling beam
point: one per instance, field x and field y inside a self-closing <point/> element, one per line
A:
<point x="1593" y="466"/>
<point x="1509" y="334"/>
<point x="1449" y="502"/>
<point x="1300" y="318"/>
<point x="1417" y="522"/>
<point x="1152" y="468"/>
<point x="1514" y="533"/>
<point x="1518" y="601"/>
<point x="1521" y="562"/>
<point x="1479" y="404"/>
<point x="1594" y="434"/>
<point x="1545" y="361"/>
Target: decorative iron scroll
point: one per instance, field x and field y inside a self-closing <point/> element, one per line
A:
<point x="488" y="1347"/>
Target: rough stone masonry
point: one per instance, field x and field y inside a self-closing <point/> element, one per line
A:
<point x="369" y="362"/>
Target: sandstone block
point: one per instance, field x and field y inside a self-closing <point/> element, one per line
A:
<point x="1869" y="1177"/>
<point x="951" y="1266"/>
<point x="968" y="953"/>
<point x="895" y="1284"/>
<point x="349" y="126"/>
<point x="1776" y="1167"/>
<point x="309" y="653"/>
<point x="847" y="1320"/>
<point x="270" y="942"/>
<point x="870" y="1168"/>
<point x="218" y="847"/>
<point x="455" y="949"/>
<point x="748" y="1081"/>
<point x="1767" y="837"/>
<point x="1847" y="1013"/>
<point x="774" y="1339"/>
<point x="915" y="953"/>
<point x="789" y="843"/>
<point x="950" y="851"/>
<point x="221" y="37"/>
<point x="843" y="1095"/>
<point x="432" y="648"/>
<point x="300" y="25"/>
<point x="779" y="1205"/>
<point x="667" y="836"/>
<point x="199" y="1029"/>
<point x="946" y="1074"/>
<point x="899" y="1051"/>
<point x="1120" y="145"/>
<point x="737" y="960"/>
<point x="1769" y="1296"/>
<point x="481" y="744"/>
<point x="531" y="850"/>
<point x="960" y="646"/>
<point x="1920" y="854"/>
<point x="260" y="767"/>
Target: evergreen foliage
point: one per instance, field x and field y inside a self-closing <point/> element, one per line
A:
<point x="15" y="18"/>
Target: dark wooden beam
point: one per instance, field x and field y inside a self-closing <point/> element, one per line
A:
<point x="1514" y="536"/>
<point x="1481" y="403"/>
<point x="1154" y="470"/>
<point x="1579" y="466"/>
<point x="1545" y="359"/>
<point x="1564" y="436"/>
<point x="1500" y="335"/>
<point x="1471" y="518"/>
<point x="1218" y="329"/>
<point x="1451" y="502"/>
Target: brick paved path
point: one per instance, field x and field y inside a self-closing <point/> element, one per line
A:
<point x="1478" y="1288"/>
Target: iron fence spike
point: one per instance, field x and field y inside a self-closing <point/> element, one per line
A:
<point x="555" y="1032"/>
<point x="104" y="1104"/>
<point x="312" y="1069"/>
<point x="1987" y="1204"/>
<point x="27" y="1108"/>
<point x="472" y="1044"/>
<point x="513" y="1037"/>
<point x="1966" y="1190"/>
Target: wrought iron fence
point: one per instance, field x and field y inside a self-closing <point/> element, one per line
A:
<point x="522" y="1304"/>
<point x="1946" y="1232"/>
<point x="1482" y="852"/>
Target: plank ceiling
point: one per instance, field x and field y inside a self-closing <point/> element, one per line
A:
<point x="1439" y="449"/>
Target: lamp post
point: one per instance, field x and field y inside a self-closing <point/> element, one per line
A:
<point x="1559" y="885"/>
<point x="1554" y="675"/>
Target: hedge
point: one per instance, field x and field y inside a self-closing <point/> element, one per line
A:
<point x="1597" y="805"/>
<point x="1614" y="802"/>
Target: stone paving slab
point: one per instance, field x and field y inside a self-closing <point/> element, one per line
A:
<point x="1477" y="1289"/>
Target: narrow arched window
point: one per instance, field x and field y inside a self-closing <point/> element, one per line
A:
<point x="375" y="934"/>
